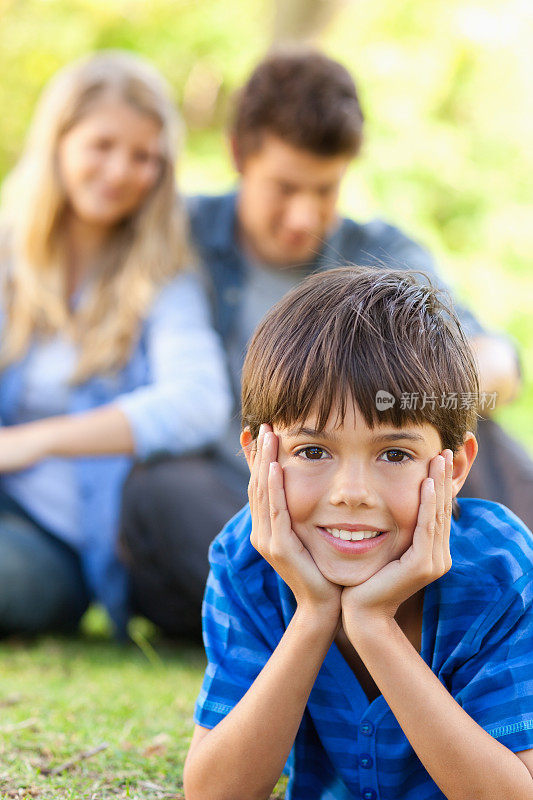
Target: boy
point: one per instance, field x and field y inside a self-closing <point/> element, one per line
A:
<point x="344" y="622"/>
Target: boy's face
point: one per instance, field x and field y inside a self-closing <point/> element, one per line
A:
<point x="352" y="479"/>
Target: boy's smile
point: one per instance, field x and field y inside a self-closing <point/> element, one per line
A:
<point x="353" y="493"/>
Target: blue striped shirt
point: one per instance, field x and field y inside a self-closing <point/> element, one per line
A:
<point x="477" y="637"/>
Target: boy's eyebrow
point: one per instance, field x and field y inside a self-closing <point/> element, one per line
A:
<point x="313" y="433"/>
<point x="394" y="437"/>
<point x="382" y="437"/>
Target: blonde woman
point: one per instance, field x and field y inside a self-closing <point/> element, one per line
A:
<point x="106" y="352"/>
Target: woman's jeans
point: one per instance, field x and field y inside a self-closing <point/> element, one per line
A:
<point x="41" y="582"/>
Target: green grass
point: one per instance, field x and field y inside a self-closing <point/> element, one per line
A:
<point x="60" y="698"/>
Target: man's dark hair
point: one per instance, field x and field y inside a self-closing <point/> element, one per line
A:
<point x="303" y="97"/>
<point x="352" y="333"/>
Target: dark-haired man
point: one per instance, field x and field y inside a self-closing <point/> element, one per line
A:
<point x="297" y="126"/>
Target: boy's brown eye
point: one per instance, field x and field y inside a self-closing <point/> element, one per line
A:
<point x="395" y="456"/>
<point x="312" y="453"/>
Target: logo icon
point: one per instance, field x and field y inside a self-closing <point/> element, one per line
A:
<point x="384" y="400"/>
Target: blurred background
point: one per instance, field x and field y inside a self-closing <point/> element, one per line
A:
<point x="446" y="89"/>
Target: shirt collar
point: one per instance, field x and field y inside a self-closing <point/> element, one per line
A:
<point x="223" y="234"/>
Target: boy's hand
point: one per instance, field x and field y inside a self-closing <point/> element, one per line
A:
<point x="273" y="537"/>
<point x="426" y="560"/>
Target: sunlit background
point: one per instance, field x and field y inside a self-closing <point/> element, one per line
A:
<point x="445" y="85"/>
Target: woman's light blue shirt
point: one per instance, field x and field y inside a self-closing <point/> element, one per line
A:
<point x="175" y="394"/>
<point x="48" y="490"/>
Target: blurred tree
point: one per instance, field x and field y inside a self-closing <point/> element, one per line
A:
<point x="297" y="20"/>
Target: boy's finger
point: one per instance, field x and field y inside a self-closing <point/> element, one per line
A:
<point x="437" y="473"/>
<point x="280" y="520"/>
<point x="263" y="504"/>
<point x="251" y="450"/>
<point x="254" y="469"/>
<point x="274" y="443"/>
<point x="425" y="526"/>
<point x="448" y="500"/>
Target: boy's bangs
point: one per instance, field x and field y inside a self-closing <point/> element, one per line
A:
<point x="377" y="338"/>
<point x="387" y="390"/>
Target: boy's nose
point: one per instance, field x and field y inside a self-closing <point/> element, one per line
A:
<point x="352" y="486"/>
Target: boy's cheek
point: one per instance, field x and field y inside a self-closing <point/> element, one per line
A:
<point x="407" y="505"/>
<point x="300" y="493"/>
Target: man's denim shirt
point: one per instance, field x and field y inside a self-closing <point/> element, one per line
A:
<point x="175" y="394"/>
<point x="213" y="222"/>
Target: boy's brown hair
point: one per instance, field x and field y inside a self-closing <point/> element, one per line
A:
<point x="353" y="333"/>
<point x="303" y="97"/>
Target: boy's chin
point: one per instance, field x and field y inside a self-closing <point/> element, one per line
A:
<point x="341" y="578"/>
<point x="350" y="584"/>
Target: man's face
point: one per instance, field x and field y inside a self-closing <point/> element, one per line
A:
<point x="353" y="493"/>
<point x="287" y="201"/>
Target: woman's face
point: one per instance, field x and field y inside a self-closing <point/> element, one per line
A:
<point x="109" y="162"/>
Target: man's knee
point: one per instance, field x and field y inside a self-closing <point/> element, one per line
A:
<point x="171" y="512"/>
<point x="157" y="501"/>
<point x="163" y="480"/>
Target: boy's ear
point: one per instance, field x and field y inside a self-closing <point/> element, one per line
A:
<point x="247" y="444"/>
<point x="462" y="462"/>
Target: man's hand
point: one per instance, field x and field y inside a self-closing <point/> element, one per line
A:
<point x="426" y="560"/>
<point x="499" y="369"/>
<point x="273" y="537"/>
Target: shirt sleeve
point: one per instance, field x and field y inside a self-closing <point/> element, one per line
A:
<point x="235" y="647"/>
<point x="384" y="245"/>
<point x="418" y="258"/>
<point x="497" y="690"/>
<point x="187" y="401"/>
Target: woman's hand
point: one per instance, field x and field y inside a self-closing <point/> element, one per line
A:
<point x="21" y="446"/>
<point x="99" y="432"/>
<point x="273" y="536"/>
<point x="424" y="562"/>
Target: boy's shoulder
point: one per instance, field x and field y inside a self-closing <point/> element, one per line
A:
<point x="490" y="583"/>
<point x="234" y="538"/>
<point x="486" y="598"/>
<point x="489" y="539"/>
<point x="232" y="552"/>
<point x="243" y="584"/>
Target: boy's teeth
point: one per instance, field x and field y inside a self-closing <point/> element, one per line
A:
<point x="354" y="536"/>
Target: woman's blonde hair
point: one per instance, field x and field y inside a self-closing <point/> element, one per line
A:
<point x="144" y="250"/>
